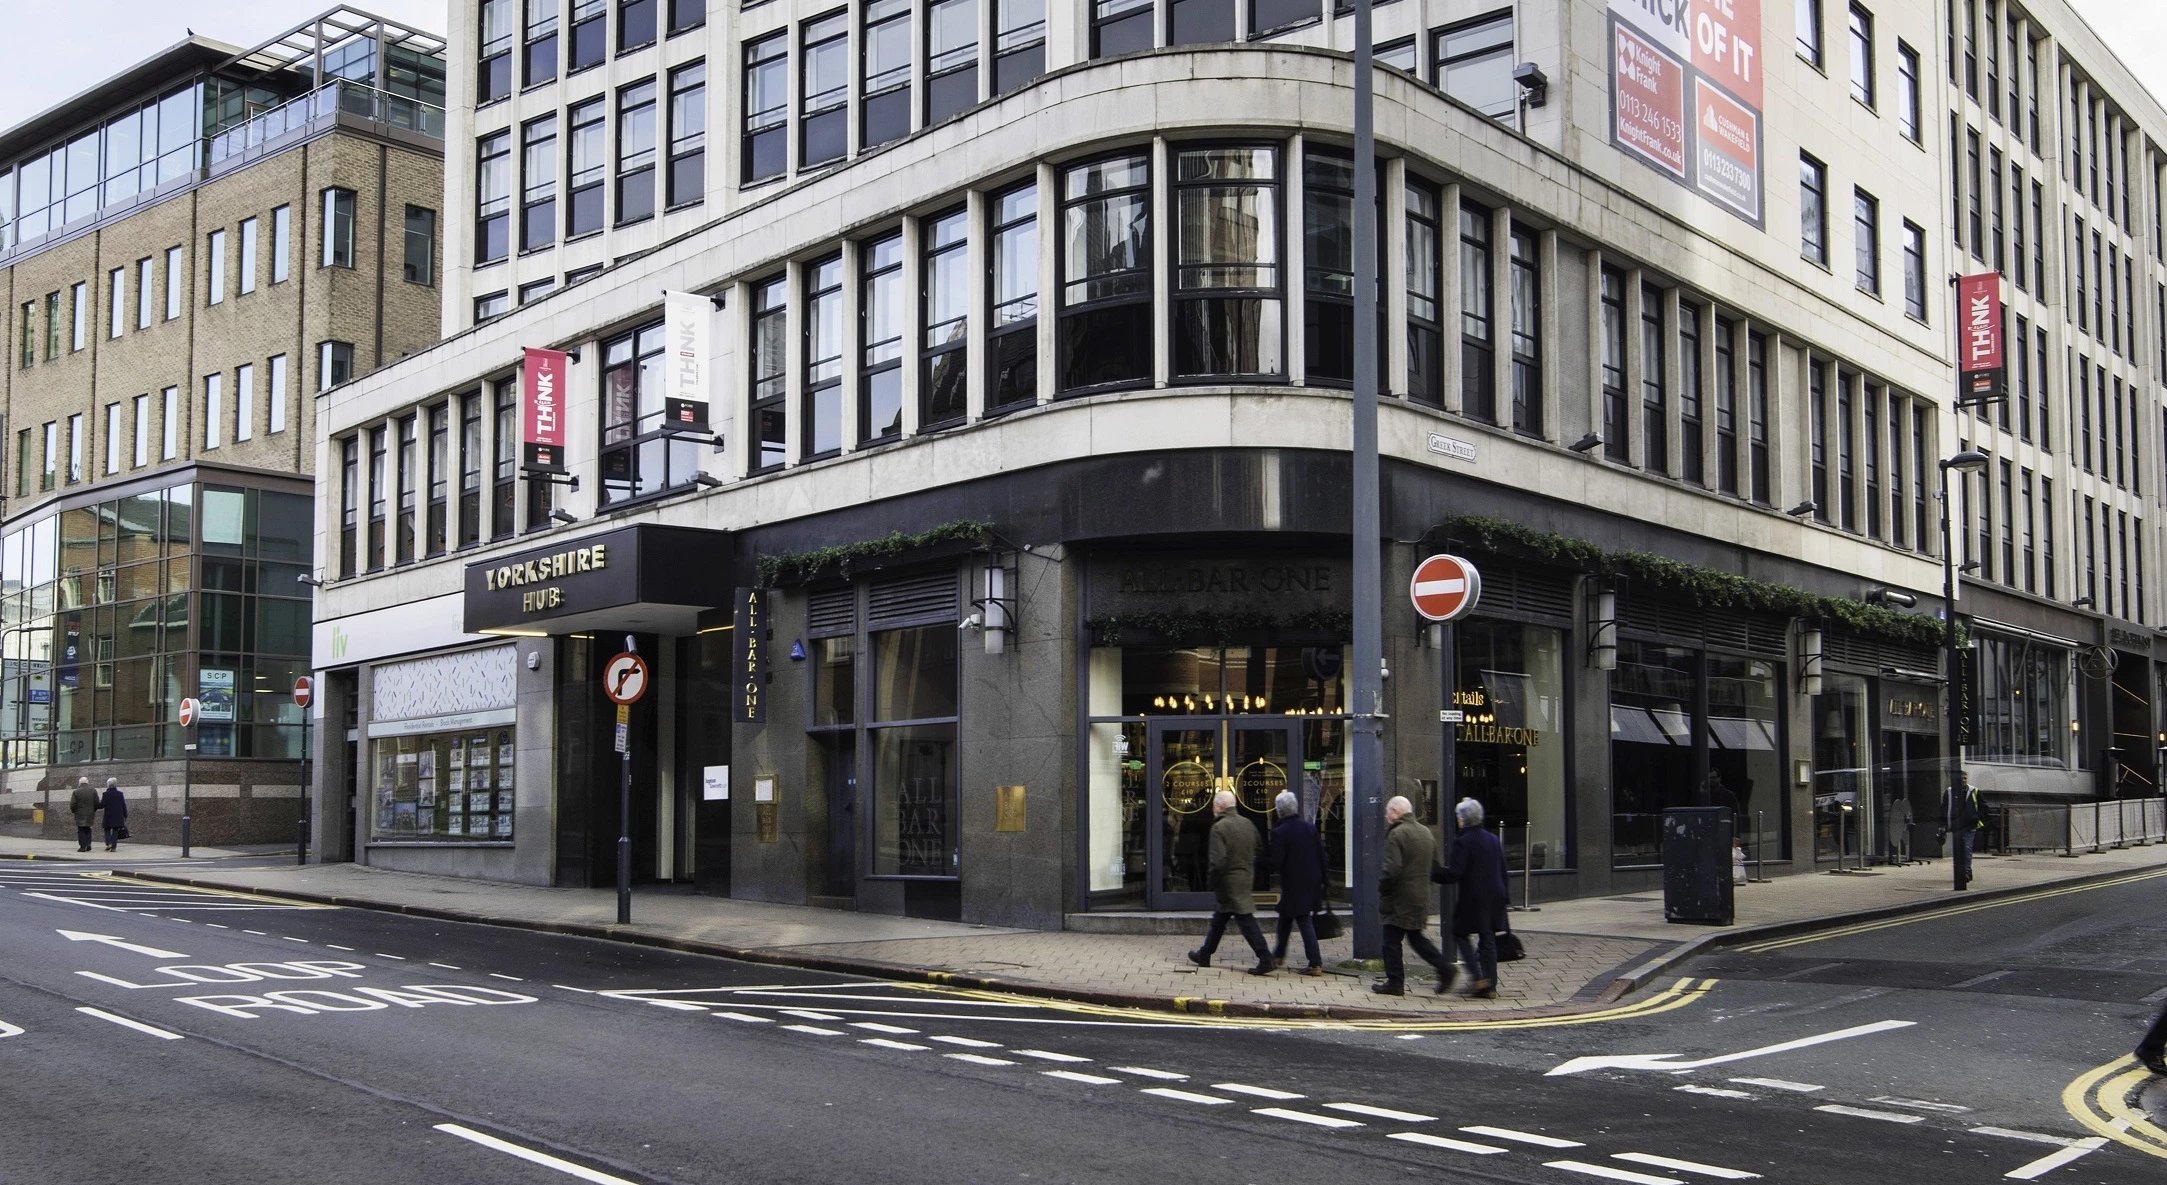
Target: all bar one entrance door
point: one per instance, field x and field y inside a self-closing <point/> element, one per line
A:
<point x="1191" y="759"/>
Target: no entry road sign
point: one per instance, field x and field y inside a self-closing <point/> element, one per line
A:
<point x="1444" y="587"/>
<point x="304" y="690"/>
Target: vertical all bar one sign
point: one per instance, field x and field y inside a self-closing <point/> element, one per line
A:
<point x="541" y="410"/>
<point x="1979" y="365"/>
<point x="748" y="647"/>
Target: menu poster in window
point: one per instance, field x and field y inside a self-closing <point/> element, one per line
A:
<point x="1686" y="95"/>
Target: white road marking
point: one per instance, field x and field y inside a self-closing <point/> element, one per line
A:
<point x="816" y="1030"/>
<point x="1603" y="1170"/>
<point x="257" y="933"/>
<point x="8" y="1030"/>
<point x="1297" y="1116"/>
<point x="445" y="966"/>
<point x="1448" y="1143"/>
<point x="119" y="944"/>
<point x="558" y="986"/>
<point x="216" y="926"/>
<point x="1380" y="1112"/>
<point x="74" y="901"/>
<point x="2034" y="1137"/>
<point x="492" y="974"/>
<point x="1086" y="1079"/>
<point x="531" y="1156"/>
<point x="291" y="938"/>
<point x="1863" y="1113"/>
<point x="125" y="1023"/>
<point x="797" y="1012"/>
<point x="968" y="1042"/>
<point x="1506" y="1133"/>
<point x="1686" y="1166"/>
<point x="2054" y="1160"/>
<point x="885" y="1043"/>
<point x="751" y="1020"/>
<point x="1779" y="1084"/>
<point x="1921" y="1104"/>
<point x="1262" y="1092"/>
<point x="976" y="1059"/>
<point x="1147" y="1072"/>
<point x="2155" y="997"/>
<point x="379" y="954"/>
<point x="877" y="1027"/>
<point x="679" y="1005"/>
<point x="1717" y="1091"/>
<point x="1669" y="1062"/>
<point x="1048" y="1055"/>
<point x="1410" y="1036"/>
<point x="1186" y="1096"/>
<point x="1976" y="980"/>
<point x="335" y="946"/>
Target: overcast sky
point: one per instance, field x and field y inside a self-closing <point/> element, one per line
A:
<point x="55" y="48"/>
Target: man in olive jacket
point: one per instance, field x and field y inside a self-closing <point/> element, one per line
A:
<point x="1233" y="879"/>
<point x="1403" y="898"/>
<point x="83" y="804"/>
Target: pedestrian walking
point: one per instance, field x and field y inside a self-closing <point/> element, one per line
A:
<point x="2152" y="1051"/>
<point x="1232" y="867"/>
<point x="1967" y="818"/>
<point x="1298" y="857"/>
<point x="115" y="806"/>
<point x="1403" y="897"/>
<point x="1476" y="864"/>
<point x="83" y="804"/>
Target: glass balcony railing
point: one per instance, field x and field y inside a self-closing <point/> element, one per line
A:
<point x="339" y="97"/>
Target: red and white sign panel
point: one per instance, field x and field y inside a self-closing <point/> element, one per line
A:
<point x="1726" y="44"/>
<point x="1445" y="586"/>
<point x="1650" y="105"/>
<point x="1727" y="140"/>
<point x="541" y="409"/>
<point x="304" y="690"/>
<point x="625" y="678"/>
<point x="1979" y="362"/>
<point x="189" y="711"/>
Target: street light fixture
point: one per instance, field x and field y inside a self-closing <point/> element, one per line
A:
<point x="1967" y="462"/>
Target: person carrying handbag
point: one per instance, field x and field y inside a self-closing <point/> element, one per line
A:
<point x="1298" y="857"/>
<point x="115" y="806"/>
<point x="1476" y="864"/>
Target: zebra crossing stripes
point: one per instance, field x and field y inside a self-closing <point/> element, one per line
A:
<point x="106" y="891"/>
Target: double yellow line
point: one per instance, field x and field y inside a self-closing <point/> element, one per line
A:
<point x="2104" y="1100"/>
<point x="1756" y="948"/>
<point x="1678" y="995"/>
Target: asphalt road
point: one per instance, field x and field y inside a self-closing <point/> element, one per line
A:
<point x="239" y="1039"/>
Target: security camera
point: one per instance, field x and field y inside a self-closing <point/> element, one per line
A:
<point x="970" y="623"/>
<point x="1534" y="84"/>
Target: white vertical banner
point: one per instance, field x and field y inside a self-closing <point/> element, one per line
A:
<point x="687" y="351"/>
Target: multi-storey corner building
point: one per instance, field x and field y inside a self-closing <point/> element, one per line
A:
<point x="1025" y="335"/>
<point x="189" y="250"/>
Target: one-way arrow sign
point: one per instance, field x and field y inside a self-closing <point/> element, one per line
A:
<point x="109" y="940"/>
<point x="1668" y="1061"/>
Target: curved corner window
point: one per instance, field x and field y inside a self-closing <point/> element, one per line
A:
<point x="1228" y="306"/>
<point x="1106" y="337"/>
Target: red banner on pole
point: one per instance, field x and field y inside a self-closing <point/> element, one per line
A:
<point x="1979" y="363"/>
<point x="541" y="410"/>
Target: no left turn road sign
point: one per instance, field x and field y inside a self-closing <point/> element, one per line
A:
<point x="625" y="678"/>
<point x="1444" y="587"/>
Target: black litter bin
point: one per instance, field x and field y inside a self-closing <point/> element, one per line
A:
<point x="1697" y="865"/>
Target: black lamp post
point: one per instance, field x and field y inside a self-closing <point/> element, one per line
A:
<point x="1965" y="463"/>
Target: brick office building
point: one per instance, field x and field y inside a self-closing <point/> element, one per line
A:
<point x="188" y="250"/>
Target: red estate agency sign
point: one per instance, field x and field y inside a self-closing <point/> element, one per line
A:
<point x="1650" y="102"/>
<point x="1712" y="47"/>
<point x="1445" y="586"/>
<point x="1727" y="150"/>
<point x="1978" y="340"/>
<point x="541" y="410"/>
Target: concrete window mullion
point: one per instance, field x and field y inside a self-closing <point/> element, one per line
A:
<point x="1392" y="225"/>
<point x="1451" y="370"/>
<point x="1162" y="260"/>
<point x="1296" y="271"/>
<point x="731" y="369"/>
<point x="913" y="322"/>
<point x="794" y="427"/>
<point x="1049" y="282"/>
<point x="1636" y="368"/>
<point x="977" y="257"/>
<point x="853" y="340"/>
<point x="1549" y="336"/>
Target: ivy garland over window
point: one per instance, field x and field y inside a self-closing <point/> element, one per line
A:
<point x="801" y="567"/>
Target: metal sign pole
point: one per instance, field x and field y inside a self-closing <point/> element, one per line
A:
<point x="1366" y="682"/>
<point x="188" y="757"/>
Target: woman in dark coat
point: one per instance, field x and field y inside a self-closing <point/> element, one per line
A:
<point x="1298" y="857"/>
<point x="115" y="806"/>
<point x="1476" y="864"/>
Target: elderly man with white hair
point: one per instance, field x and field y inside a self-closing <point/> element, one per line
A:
<point x="1403" y="898"/>
<point x="1476" y="864"/>
<point x="1233" y="870"/>
<point x="1297" y="855"/>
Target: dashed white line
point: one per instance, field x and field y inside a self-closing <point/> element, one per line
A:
<point x="1921" y="1104"/>
<point x="1380" y="1112"/>
<point x="257" y="933"/>
<point x="216" y="926"/>
<point x="2034" y="1137"/>
<point x="1448" y="1143"/>
<point x="1147" y="1072"/>
<point x="976" y="1059"/>
<point x="679" y="1005"/>
<point x="1307" y="1117"/>
<point x="2054" y="1160"/>
<point x="531" y="1156"/>
<point x="332" y="945"/>
<point x="1410" y="1036"/>
<point x="968" y="1042"/>
<point x="1779" y="1084"/>
<point x="1603" y="1170"/>
<point x="747" y="1018"/>
<point x="1046" y="1055"/>
<point x="125" y="1023"/>
<point x="1721" y="1092"/>
<point x="379" y="954"/>
<point x="1506" y="1133"/>
<point x="492" y="974"/>
<point x="1262" y="1092"/>
<point x="445" y="966"/>
<point x="1086" y="1079"/>
<point x="1864" y="1113"/>
<point x="291" y="938"/>
<point x="885" y="1043"/>
<point x="1686" y="1166"/>
<point x="872" y="1026"/>
<point x="1186" y="1096"/>
<point x="805" y="1014"/>
<point x="816" y="1030"/>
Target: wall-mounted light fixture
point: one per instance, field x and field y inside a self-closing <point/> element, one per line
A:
<point x="996" y="616"/>
<point x="1809" y="658"/>
<point x="1603" y="628"/>
<point x="1890" y="596"/>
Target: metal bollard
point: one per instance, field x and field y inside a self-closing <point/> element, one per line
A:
<point x="300" y="845"/>
<point x="184" y="837"/>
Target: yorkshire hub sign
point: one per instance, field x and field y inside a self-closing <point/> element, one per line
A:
<point x="1685" y="95"/>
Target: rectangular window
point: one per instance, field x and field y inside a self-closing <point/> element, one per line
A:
<point x="1019" y="43"/>
<point x="420" y="254"/>
<point x="1972" y="196"/>
<point x="1425" y="293"/>
<point x="541" y="48"/>
<point x="275" y="393"/>
<point x="1120" y="26"/>
<point x="1654" y="389"/>
<point x="823" y="415"/>
<point x="590" y="35"/>
<point x="2016" y="223"/>
<point x="281" y="244"/>
<point x="1812" y="209"/>
<point x="636" y="152"/>
<point x="52" y="326"/>
<point x="52" y="455"/>
<point x="339" y="227"/>
<point x="142" y="431"/>
<point x="491" y="305"/>
<point x="1866" y="239"/>
<point x="478" y="759"/>
<point x="1012" y="338"/>
<point x="75" y="449"/>
<point x="1817" y="416"/>
<point x="146" y="298"/>
<point x="2008" y="525"/>
<point x="1871" y="453"/>
<point x="589" y="163"/>
<point x="1690" y="395"/>
<point x="687" y="14"/>
<point x="1898" y="520"/>
<point x="1908" y="119"/>
<point x="112" y="438"/>
<point x="1227" y="306"/>
<point x="244" y="402"/>
<point x="1994" y="211"/>
<point x="1473" y="62"/>
<point x="248" y="256"/>
<point x="767" y="351"/>
<point x="538" y="183"/>
<point x="214" y="261"/>
<point x="529" y="293"/>
<point x="1328" y="253"/>
<point x="116" y="300"/>
<point x="492" y="197"/>
<point x="379" y="495"/>
<point x="79" y="316"/>
<point x="408" y="478"/>
<point x="951" y="52"/>
<point x="1809" y="31"/>
<point x="2020" y="379"/>
<point x="881" y="321"/>
<point x="688" y="136"/>
<point x="1862" y="55"/>
<point x="945" y="312"/>
<point x="1527" y="394"/>
<point x="635" y="24"/>
<point x="1478" y="372"/>
<point x="504" y="460"/>
<point x="1726" y="390"/>
<point x="824" y="90"/>
<point x="1199" y="22"/>
<point x="1106" y="334"/>
<point x="1617" y="410"/>
<point x="470" y="469"/>
<point x="334" y="364"/>
<point x="22" y="463"/>
<point x="493" y="80"/>
<point x="349" y="504"/>
<point x="169" y="424"/>
<point x="914" y="797"/>
<point x="767" y="107"/>
<point x="29" y="324"/>
<point x="214" y="410"/>
<point x="884" y="105"/>
<point x="1914" y="271"/>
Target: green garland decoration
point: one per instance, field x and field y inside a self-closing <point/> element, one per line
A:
<point x="1218" y="627"/>
<point x="802" y="567"/>
<point x="1704" y="588"/>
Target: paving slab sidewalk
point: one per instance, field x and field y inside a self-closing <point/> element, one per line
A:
<point x="1582" y="954"/>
